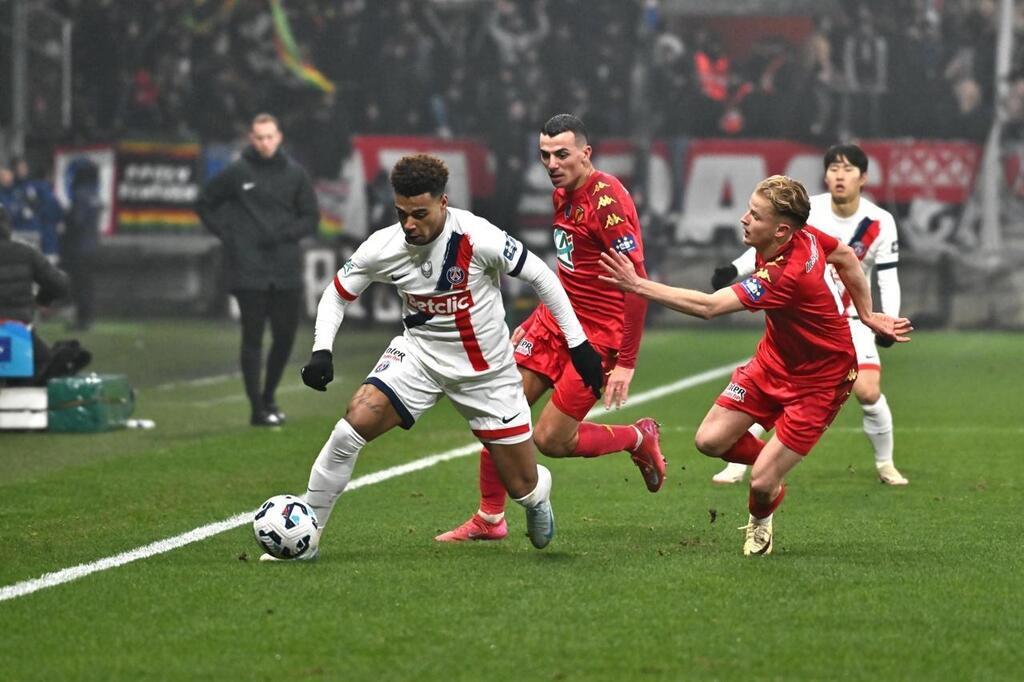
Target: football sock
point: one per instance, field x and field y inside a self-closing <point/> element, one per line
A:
<point x="492" y="490"/>
<point x="332" y="469"/>
<point x="595" y="440"/>
<point x="541" y="493"/>
<point x="761" y="511"/>
<point x="756" y="430"/>
<point x="878" y="429"/>
<point x="745" y="450"/>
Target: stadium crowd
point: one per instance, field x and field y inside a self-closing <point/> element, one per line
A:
<point x="488" y="69"/>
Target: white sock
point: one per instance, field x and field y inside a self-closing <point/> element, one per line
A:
<point x="761" y="522"/>
<point x="540" y="494"/>
<point x="332" y="469"/>
<point x="878" y="429"/>
<point x="490" y="518"/>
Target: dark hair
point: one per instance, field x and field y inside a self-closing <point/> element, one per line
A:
<point x="419" y="173"/>
<point x="787" y="197"/>
<point x="850" y="152"/>
<point x="560" y="123"/>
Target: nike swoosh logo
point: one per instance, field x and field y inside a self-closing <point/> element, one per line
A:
<point x="395" y="278"/>
<point x="506" y="420"/>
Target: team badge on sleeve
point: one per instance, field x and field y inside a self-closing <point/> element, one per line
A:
<point x="512" y="247"/>
<point x="624" y="244"/>
<point x="754" y="288"/>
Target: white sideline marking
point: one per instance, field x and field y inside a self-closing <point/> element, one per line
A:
<point x="66" y="575"/>
<point x="201" y="381"/>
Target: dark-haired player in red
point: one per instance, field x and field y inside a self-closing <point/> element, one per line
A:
<point x="804" y="366"/>
<point x="593" y="213"/>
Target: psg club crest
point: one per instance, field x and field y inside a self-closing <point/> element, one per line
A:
<point x="455" y="275"/>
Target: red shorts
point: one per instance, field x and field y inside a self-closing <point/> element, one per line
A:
<point x="800" y="414"/>
<point x="544" y="351"/>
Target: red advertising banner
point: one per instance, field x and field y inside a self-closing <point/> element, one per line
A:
<point x="471" y="174"/>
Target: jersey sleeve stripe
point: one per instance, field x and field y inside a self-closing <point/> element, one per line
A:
<point x="886" y="266"/>
<point x="514" y="272"/>
<point x="344" y="293"/>
<point x="498" y="434"/>
<point x="451" y="254"/>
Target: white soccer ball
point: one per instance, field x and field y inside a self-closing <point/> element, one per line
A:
<point x="284" y="526"/>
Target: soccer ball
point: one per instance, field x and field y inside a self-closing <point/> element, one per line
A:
<point x="284" y="526"/>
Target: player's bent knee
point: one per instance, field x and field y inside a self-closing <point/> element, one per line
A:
<point x="552" y="443"/>
<point x="707" y="444"/>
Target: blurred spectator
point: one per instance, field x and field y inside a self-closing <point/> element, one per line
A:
<point x="28" y="280"/>
<point x="819" y="77"/>
<point x="82" y="239"/>
<point x="43" y="211"/>
<point x="865" y="76"/>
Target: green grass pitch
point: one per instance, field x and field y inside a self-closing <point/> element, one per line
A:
<point x="866" y="582"/>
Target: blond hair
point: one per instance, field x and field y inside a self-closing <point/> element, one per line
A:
<point x="787" y="197"/>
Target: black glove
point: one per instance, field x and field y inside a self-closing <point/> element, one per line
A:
<point x="883" y="341"/>
<point x="319" y="371"/>
<point x="588" y="365"/>
<point x="723" y="276"/>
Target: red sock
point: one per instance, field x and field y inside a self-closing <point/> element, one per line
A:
<point x="761" y="511"/>
<point x="745" y="450"/>
<point x="492" y="490"/>
<point x="599" y="439"/>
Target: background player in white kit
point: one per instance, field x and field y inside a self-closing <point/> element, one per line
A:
<point x="843" y="213"/>
<point x="445" y="263"/>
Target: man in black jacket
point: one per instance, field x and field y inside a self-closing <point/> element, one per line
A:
<point x="260" y="207"/>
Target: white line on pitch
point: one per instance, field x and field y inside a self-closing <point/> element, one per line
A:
<point x="66" y="575"/>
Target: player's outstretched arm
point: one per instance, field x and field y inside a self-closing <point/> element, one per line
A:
<point x="622" y="274"/>
<point x="848" y="268"/>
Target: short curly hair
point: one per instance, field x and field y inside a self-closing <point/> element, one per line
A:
<point x="787" y="197"/>
<point x="413" y="175"/>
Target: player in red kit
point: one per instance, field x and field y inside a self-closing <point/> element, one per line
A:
<point x="593" y="213"/>
<point x="805" y="364"/>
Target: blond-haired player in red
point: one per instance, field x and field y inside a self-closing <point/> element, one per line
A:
<point x="593" y="212"/>
<point x="805" y="365"/>
<point x="871" y="232"/>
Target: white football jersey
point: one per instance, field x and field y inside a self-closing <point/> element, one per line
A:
<point x="870" y="232"/>
<point x="454" y="316"/>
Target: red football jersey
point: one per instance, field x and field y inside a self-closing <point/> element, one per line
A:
<point x="596" y="217"/>
<point x="806" y="337"/>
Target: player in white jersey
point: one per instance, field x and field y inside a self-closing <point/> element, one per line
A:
<point x="851" y="218"/>
<point x="445" y="263"/>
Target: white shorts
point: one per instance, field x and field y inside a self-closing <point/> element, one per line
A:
<point x="864" y="344"/>
<point x="494" y="405"/>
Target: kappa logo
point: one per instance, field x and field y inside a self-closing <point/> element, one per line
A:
<point x="613" y="220"/>
<point x="604" y="200"/>
<point x="600" y="186"/>
<point x="246" y="186"/>
<point x="735" y="392"/>
<point x="455" y="275"/>
<point x="753" y="288"/>
<point x="525" y="347"/>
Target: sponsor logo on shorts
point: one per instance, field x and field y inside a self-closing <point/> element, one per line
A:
<point x="851" y="375"/>
<point x="735" y="392"/>
<point x="381" y="367"/>
<point x="525" y="347"/>
<point x="394" y="354"/>
<point x="506" y="420"/>
<point x="441" y="305"/>
<point x="455" y="275"/>
<point x="753" y="287"/>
